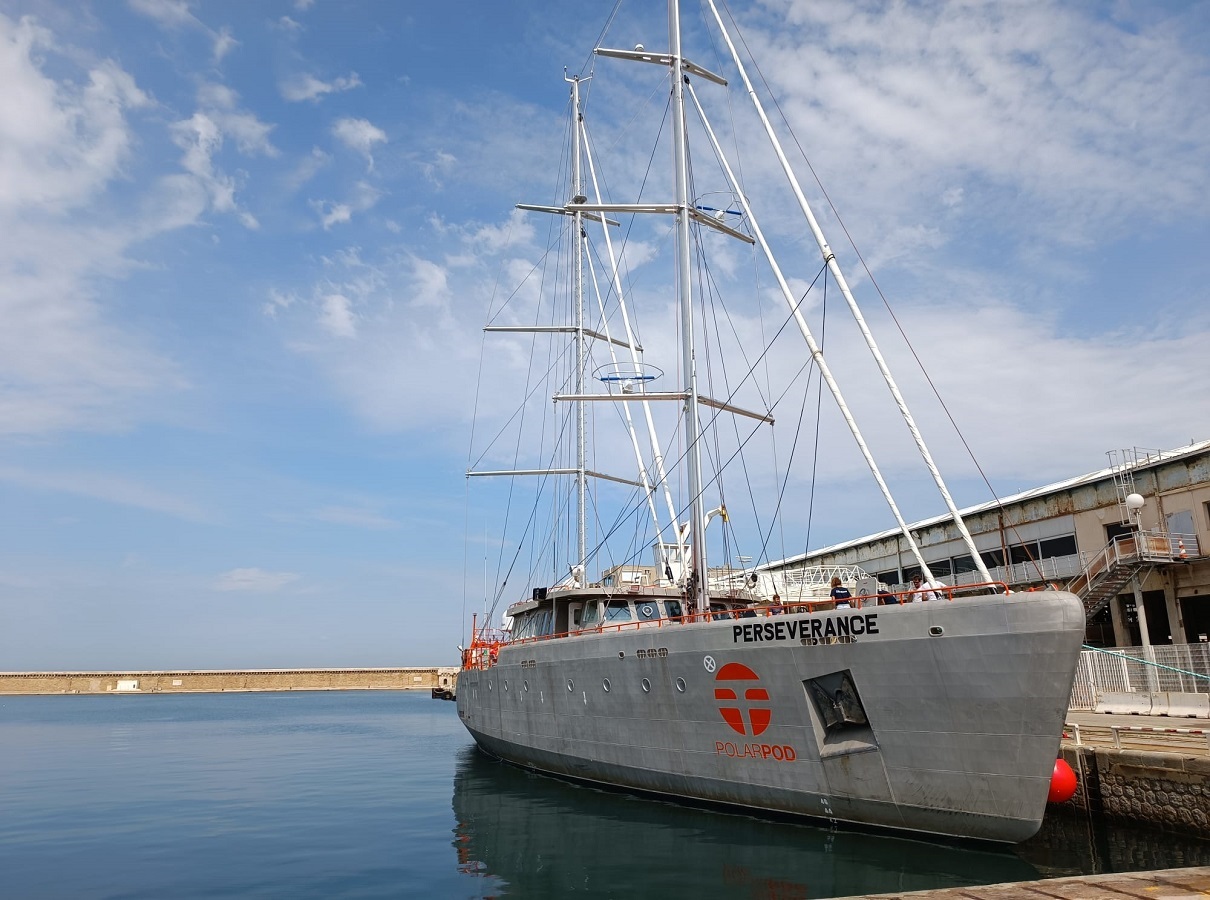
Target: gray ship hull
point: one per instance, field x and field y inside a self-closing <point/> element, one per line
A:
<point x="941" y="717"/>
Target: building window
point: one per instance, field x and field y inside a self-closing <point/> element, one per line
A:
<point x="992" y="558"/>
<point x="1023" y="553"/>
<point x="1060" y="546"/>
<point x="963" y="564"/>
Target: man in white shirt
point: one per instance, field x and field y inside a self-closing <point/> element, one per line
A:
<point x="927" y="590"/>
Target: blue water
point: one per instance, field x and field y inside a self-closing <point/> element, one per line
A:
<point x="381" y="794"/>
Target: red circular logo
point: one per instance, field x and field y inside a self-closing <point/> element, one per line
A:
<point x="732" y="681"/>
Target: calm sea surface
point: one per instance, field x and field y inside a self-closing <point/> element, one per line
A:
<point x="381" y="794"/>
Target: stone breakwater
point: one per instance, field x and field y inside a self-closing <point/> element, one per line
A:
<point x="1170" y="791"/>
<point x="218" y="680"/>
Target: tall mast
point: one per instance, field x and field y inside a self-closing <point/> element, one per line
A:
<point x="697" y="506"/>
<point x="577" y="191"/>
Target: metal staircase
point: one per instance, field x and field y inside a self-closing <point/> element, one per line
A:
<point x="1107" y="573"/>
<point x="1133" y="553"/>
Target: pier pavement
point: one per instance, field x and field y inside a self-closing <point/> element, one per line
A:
<point x="1166" y="884"/>
<point x="1160" y="734"/>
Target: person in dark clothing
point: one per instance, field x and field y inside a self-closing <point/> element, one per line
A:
<point x="840" y="594"/>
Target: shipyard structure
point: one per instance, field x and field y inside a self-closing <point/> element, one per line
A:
<point x="1128" y="539"/>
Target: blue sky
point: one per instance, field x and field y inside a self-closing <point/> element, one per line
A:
<point x="249" y="248"/>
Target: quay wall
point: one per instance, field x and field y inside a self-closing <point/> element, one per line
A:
<point x="215" y="681"/>
<point x="1169" y="791"/>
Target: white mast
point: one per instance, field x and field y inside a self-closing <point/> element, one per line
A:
<point x="581" y="348"/>
<point x="697" y="508"/>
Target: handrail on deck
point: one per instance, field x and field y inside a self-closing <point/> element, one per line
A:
<point x="486" y="643"/>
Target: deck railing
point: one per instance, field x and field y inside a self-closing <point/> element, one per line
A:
<point x="486" y="643"/>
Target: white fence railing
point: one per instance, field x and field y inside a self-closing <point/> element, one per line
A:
<point x="1141" y="669"/>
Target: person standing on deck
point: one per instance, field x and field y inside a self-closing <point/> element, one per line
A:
<point x="927" y="590"/>
<point x="840" y="594"/>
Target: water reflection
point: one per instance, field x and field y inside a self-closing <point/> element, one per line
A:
<point x="532" y="836"/>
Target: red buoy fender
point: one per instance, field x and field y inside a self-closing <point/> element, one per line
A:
<point x="1062" y="783"/>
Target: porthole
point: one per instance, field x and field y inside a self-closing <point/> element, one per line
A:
<point x="570" y="686"/>
<point x="605" y="684"/>
<point x="936" y="630"/>
<point x="621" y="654"/>
<point x="680" y="685"/>
<point x="646" y="686"/>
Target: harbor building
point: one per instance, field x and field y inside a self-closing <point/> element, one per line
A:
<point x="1129" y="539"/>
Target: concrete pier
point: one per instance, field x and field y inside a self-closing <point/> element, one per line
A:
<point x="1153" y="770"/>
<point x="1166" y="884"/>
<point x="219" y="680"/>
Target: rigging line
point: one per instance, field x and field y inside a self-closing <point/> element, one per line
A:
<point x="558" y="227"/>
<point x="865" y="266"/>
<point x="520" y="410"/>
<point x="521" y="542"/>
<point x="550" y="246"/>
<point x="516" y="452"/>
<point x="590" y="63"/>
<point x="541" y="266"/>
<point x="768" y="349"/>
<point x="815" y="457"/>
<point x="809" y="363"/>
<point x="466" y="546"/>
<point x="742" y="349"/>
<point x="794" y="448"/>
<point x="781" y="494"/>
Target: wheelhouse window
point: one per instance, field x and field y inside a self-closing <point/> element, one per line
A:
<point x="672" y="608"/>
<point x="590" y="615"/>
<point x="618" y="611"/>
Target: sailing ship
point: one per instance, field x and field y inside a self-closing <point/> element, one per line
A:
<point x="700" y="682"/>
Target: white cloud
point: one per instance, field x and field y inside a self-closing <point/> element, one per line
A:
<point x="62" y="143"/>
<point x="360" y="135"/>
<point x="201" y="138"/>
<point x="105" y="487"/>
<point x="364" y="196"/>
<point x="277" y="302"/>
<point x="254" y="580"/>
<point x="1036" y="105"/>
<point x="63" y="364"/>
<point x="332" y="213"/>
<point x="337" y="317"/>
<point x="175" y="14"/>
<point x="439" y="166"/>
<point x="224" y="43"/>
<point x="308" y="167"/>
<point x="308" y="87"/>
<point x="172" y="13"/>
